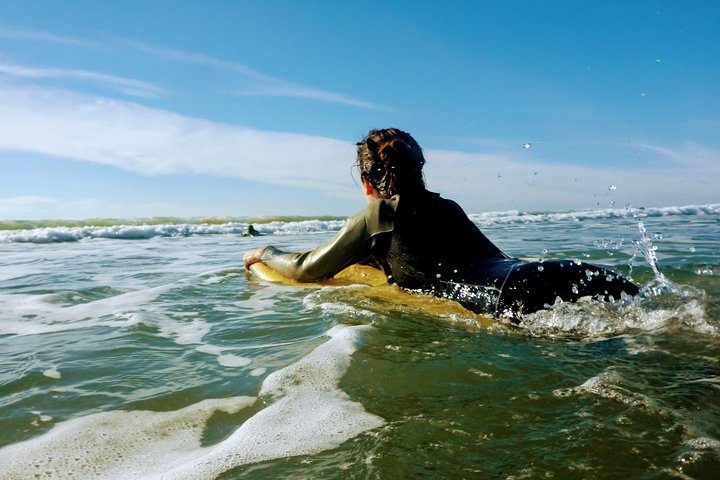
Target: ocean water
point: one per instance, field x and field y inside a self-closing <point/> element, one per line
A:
<point x="143" y="350"/>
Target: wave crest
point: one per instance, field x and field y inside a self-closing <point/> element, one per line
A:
<point x="45" y="232"/>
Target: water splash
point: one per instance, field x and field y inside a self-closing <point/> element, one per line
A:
<point x="645" y="246"/>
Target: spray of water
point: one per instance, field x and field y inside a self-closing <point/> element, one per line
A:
<point x="659" y="284"/>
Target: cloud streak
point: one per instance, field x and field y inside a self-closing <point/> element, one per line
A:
<point x="40" y="36"/>
<point x="151" y="141"/>
<point x="267" y="85"/>
<point x="128" y="86"/>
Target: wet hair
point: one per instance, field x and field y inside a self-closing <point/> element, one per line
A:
<point x="392" y="161"/>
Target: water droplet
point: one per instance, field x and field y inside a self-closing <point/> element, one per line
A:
<point x="544" y="251"/>
<point x="657" y="60"/>
<point x="527" y="146"/>
<point x="692" y="249"/>
<point x="438" y="275"/>
<point x="612" y="187"/>
<point x="499" y="175"/>
<point x="643" y="94"/>
<point x="657" y="236"/>
<point x="455" y="271"/>
<point x="575" y="289"/>
<point x="612" y="204"/>
<point x="540" y="268"/>
<point x="534" y="173"/>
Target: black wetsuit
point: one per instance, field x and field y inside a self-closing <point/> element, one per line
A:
<point x="428" y="243"/>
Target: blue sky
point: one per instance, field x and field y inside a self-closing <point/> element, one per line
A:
<point x="126" y="109"/>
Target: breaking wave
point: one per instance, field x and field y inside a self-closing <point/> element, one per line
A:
<point x="69" y="231"/>
<point x="515" y="216"/>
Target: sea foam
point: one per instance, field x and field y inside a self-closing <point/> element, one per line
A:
<point x="592" y="319"/>
<point x="307" y="413"/>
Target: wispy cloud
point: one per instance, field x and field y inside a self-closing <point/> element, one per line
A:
<point x="284" y="89"/>
<point x="267" y="85"/>
<point x="151" y="141"/>
<point x="41" y="36"/>
<point x="687" y="154"/>
<point x="128" y="86"/>
<point x="155" y="142"/>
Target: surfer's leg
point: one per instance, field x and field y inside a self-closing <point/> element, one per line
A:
<point x="532" y="286"/>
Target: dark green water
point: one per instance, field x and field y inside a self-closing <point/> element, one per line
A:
<point x="142" y="332"/>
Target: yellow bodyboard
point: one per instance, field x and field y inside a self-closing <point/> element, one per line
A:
<point x="352" y="275"/>
<point x="382" y="291"/>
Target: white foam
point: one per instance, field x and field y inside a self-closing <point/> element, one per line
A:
<point x="229" y="360"/>
<point x="52" y="373"/>
<point x="600" y="319"/>
<point x="211" y="349"/>
<point x="37" y="315"/>
<point x="610" y="384"/>
<point x="34" y="314"/>
<point x="309" y="414"/>
<point x="315" y="301"/>
<point x="184" y="333"/>
<point x="192" y="334"/>
<point x="703" y="443"/>
<point x="115" y="444"/>
<point x="41" y="416"/>
<point x="256" y="372"/>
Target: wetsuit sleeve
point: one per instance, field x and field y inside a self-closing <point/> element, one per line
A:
<point x="349" y="246"/>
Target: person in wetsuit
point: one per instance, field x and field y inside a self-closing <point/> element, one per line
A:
<point x="427" y="243"/>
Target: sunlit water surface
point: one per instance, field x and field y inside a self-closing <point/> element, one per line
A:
<point x="158" y="356"/>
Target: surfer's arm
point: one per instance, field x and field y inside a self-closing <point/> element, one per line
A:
<point x="349" y="246"/>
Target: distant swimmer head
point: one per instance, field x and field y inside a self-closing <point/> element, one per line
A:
<point x="391" y="161"/>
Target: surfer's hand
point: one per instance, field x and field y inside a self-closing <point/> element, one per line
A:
<point x="252" y="256"/>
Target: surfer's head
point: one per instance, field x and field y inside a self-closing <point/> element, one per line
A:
<point x="391" y="161"/>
